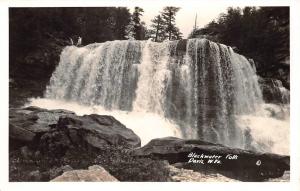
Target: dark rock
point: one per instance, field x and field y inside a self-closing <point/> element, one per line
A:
<point x="98" y="131"/>
<point x="58" y="130"/>
<point x="28" y="123"/>
<point x="44" y="142"/>
<point x="280" y="112"/>
<point x="18" y="133"/>
<point x="249" y="165"/>
<point x="273" y="91"/>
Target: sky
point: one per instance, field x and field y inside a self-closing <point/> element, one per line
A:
<point x="185" y="18"/>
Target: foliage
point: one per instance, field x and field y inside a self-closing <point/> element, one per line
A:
<point x="168" y="15"/>
<point x="37" y="35"/>
<point x="157" y="29"/>
<point x="164" y="26"/>
<point x="259" y="33"/>
<point x="136" y="28"/>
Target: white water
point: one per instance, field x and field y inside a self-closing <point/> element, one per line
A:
<point x="269" y="128"/>
<point x="205" y="91"/>
<point x="146" y="125"/>
<point x="149" y="126"/>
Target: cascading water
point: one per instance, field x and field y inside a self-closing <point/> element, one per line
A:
<point x="197" y="87"/>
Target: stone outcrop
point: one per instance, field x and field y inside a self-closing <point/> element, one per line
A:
<point x="28" y="124"/>
<point x="98" y="130"/>
<point x="46" y="143"/>
<point x="94" y="173"/>
<point x="58" y="130"/>
<point x="234" y="163"/>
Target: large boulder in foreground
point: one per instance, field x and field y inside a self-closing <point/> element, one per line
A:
<point x="58" y="130"/>
<point x="215" y="158"/>
<point x="94" y="173"/>
<point x="28" y="124"/>
<point x="99" y="130"/>
<point x="43" y="144"/>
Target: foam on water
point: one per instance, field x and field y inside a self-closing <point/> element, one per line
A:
<point x="146" y="125"/>
<point x="268" y="134"/>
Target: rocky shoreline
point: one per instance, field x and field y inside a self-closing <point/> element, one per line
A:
<point x="58" y="145"/>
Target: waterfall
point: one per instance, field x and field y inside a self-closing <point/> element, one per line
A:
<point x="199" y="85"/>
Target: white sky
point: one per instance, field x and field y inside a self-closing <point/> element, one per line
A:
<point x="185" y="18"/>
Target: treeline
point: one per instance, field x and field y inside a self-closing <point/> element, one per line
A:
<point x="163" y="26"/>
<point x="37" y="35"/>
<point x="261" y="33"/>
<point x="28" y="26"/>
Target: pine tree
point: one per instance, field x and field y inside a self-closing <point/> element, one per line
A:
<point x="163" y="26"/>
<point x="157" y="29"/>
<point x="136" y="28"/>
<point x="168" y="16"/>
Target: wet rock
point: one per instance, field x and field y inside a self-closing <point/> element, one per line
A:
<point x="231" y="162"/>
<point x="273" y="91"/>
<point x="94" y="173"/>
<point x="280" y="112"/>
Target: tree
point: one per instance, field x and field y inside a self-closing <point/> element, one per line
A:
<point x="37" y="35"/>
<point x="157" y="29"/>
<point x="136" y="29"/>
<point x="163" y="26"/>
<point x="168" y="16"/>
<point x="261" y="33"/>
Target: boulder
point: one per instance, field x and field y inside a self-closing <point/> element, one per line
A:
<point x="98" y="131"/>
<point x="94" y="173"/>
<point x="207" y="157"/>
<point x="26" y="124"/>
<point x="46" y="143"/>
<point x="58" y="130"/>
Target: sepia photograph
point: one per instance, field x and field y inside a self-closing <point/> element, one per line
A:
<point x="149" y="94"/>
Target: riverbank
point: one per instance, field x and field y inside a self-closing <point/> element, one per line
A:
<point x="45" y="144"/>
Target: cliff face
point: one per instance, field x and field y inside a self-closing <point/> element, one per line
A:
<point x="29" y="73"/>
